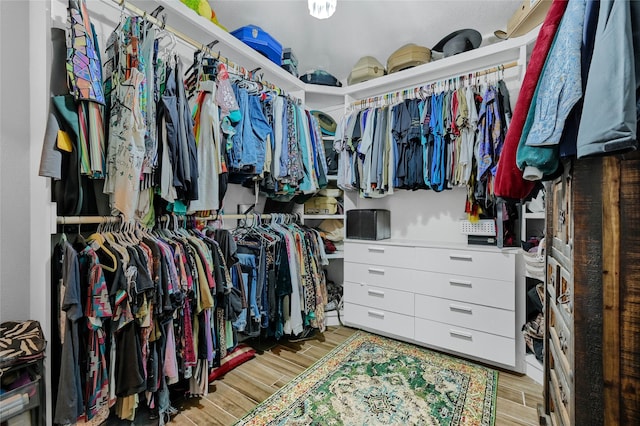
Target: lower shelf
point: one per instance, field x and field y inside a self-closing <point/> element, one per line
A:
<point x="535" y="369"/>
<point x="331" y="318"/>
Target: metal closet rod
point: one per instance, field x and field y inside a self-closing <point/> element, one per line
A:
<point x="82" y="220"/>
<point x="182" y="36"/>
<point x="406" y="92"/>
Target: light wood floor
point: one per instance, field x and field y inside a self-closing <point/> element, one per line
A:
<point x="274" y="366"/>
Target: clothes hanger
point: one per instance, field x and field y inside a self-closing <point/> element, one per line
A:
<point x="97" y="242"/>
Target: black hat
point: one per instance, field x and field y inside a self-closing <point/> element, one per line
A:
<point x="458" y="42"/>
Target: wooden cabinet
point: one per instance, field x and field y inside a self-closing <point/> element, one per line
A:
<point x="461" y="299"/>
<point x="592" y="353"/>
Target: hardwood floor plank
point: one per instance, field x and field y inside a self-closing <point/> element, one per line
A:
<point x="511" y="394"/>
<point x="247" y="386"/>
<point x="229" y="399"/>
<point x="503" y="419"/>
<point x="203" y="412"/>
<point x="522" y="383"/>
<point x="316" y="352"/>
<point x="517" y="411"/>
<point x="280" y="365"/>
<point x="342" y="331"/>
<point x="289" y="355"/>
<point x="264" y="375"/>
<point x="533" y="397"/>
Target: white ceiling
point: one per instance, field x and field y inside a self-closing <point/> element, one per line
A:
<point x="363" y="27"/>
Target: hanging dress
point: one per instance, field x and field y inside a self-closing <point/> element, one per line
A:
<point x="208" y="145"/>
<point x="126" y="147"/>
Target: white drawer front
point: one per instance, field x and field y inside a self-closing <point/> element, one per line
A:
<point x="497" y="265"/>
<point x="380" y="254"/>
<point x="380" y="275"/>
<point x="482" y="291"/>
<point x="469" y="315"/>
<point x="379" y="298"/>
<point x="379" y="320"/>
<point x="466" y="341"/>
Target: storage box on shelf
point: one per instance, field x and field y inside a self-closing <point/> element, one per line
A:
<point x="26" y="401"/>
<point x="461" y="299"/>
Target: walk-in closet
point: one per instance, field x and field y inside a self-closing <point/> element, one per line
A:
<point x="319" y="212"/>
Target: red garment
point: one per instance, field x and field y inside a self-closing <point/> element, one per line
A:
<point x="509" y="182"/>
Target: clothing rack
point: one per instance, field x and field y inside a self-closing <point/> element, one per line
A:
<point x="84" y="220"/>
<point x="425" y="89"/>
<point x="124" y="4"/>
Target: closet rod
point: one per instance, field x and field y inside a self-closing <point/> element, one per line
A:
<point x="373" y="100"/>
<point x="160" y="24"/>
<point x="83" y="220"/>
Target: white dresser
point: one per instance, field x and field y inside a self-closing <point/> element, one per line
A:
<point x="460" y="299"/>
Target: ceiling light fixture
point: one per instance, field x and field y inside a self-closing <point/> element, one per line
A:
<point x="322" y="9"/>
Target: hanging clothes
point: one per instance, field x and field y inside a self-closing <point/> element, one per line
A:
<point x="207" y="130"/>
<point x="559" y="89"/>
<point x="611" y="105"/>
<point x="509" y="182"/>
<point x="69" y="404"/>
<point x="126" y="148"/>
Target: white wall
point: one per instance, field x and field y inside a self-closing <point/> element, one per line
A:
<point x="25" y="211"/>
<point x="15" y="134"/>
<point x="422" y="214"/>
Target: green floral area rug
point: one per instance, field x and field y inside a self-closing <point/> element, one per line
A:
<point x="371" y="380"/>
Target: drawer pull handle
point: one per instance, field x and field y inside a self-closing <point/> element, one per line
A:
<point x="376" y="249"/>
<point x="461" y="334"/>
<point x="376" y="271"/>
<point x="376" y="293"/>
<point x="466" y="257"/>
<point x="376" y="314"/>
<point x="459" y="308"/>
<point x="460" y="283"/>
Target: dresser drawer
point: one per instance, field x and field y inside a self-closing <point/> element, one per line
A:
<point x="496" y="265"/>
<point x="481" y="291"/>
<point x="379" y="320"/>
<point x="462" y="314"/>
<point x="380" y="254"/>
<point x="463" y="340"/>
<point x="379" y="298"/>
<point x="381" y="276"/>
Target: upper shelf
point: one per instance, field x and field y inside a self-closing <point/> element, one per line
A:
<point x="180" y="17"/>
<point x="183" y="19"/>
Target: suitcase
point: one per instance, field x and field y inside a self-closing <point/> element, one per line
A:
<point x="366" y="68"/>
<point x="408" y="56"/>
<point x="259" y="40"/>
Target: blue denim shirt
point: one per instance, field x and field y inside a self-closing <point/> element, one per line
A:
<point x="249" y="143"/>
<point x="560" y="85"/>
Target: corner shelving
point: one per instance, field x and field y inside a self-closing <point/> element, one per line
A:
<point x="186" y="20"/>
<point x="533" y="215"/>
<point x="322" y="216"/>
<point x="337" y="255"/>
